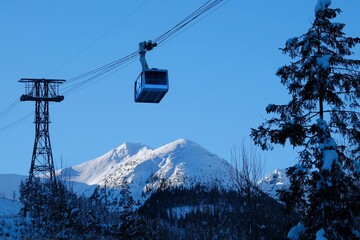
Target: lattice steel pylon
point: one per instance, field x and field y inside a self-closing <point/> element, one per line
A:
<point x="42" y="91"/>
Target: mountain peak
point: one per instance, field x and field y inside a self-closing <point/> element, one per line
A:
<point x="128" y="149"/>
<point x="183" y="143"/>
<point x="179" y="144"/>
<point x="274" y="181"/>
<point x="93" y="171"/>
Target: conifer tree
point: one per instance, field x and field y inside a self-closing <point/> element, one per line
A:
<point x="132" y="226"/>
<point x="323" y="120"/>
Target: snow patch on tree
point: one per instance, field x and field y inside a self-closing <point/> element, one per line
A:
<point x="324" y="61"/>
<point x="291" y="40"/>
<point x="328" y="148"/>
<point x="322" y="5"/>
<point x="320" y="235"/>
<point x="356" y="233"/>
<point x="296" y="232"/>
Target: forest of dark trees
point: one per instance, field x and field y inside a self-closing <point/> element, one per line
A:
<point x="176" y="213"/>
<point x="215" y="214"/>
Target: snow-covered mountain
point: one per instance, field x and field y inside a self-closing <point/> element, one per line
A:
<point x="181" y="163"/>
<point x="94" y="171"/>
<point x="85" y="177"/>
<point x="274" y="181"/>
<point x="142" y="170"/>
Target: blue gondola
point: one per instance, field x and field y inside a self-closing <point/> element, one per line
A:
<point x="151" y="86"/>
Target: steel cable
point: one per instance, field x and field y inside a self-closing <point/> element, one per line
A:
<point x="98" y="72"/>
<point x="72" y="84"/>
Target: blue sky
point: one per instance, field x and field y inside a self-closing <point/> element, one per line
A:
<point x="221" y="70"/>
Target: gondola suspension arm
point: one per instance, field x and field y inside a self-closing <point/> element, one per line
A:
<point x="143" y="47"/>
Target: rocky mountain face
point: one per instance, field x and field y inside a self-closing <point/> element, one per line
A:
<point x="142" y="170"/>
<point x="274" y="181"/>
<point x="180" y="164"/>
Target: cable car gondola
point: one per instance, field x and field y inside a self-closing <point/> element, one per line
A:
<point x="152" y="84"/>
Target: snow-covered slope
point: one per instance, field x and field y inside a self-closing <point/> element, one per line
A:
<point x="93" y="171"/>
<point x="181" y="163"/>
<point x="9" y="189"/>
<point x="9" y="207"/>
<point x="9" y="185"/>
<point x="273" y="182"/>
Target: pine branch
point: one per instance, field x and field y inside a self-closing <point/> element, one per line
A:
<point x="347" y="69"/>
<point x="341" y="111"/>
<point x="311" y="116"/>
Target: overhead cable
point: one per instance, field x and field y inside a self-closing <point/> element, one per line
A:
<point x="197" y="13"/>
<point x="98" y="72"/>
<point x="100" y="37"/>
<point x="9" y="109"/>
<point x="16" y="123"/>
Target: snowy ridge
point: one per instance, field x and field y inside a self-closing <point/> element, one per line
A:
<point x="94" y="171"/>
<point x="322" y="5"/>
<point x="181" y="163"/>
<point x="274" y="181"/>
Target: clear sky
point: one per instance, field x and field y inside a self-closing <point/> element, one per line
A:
<point x="221" y="70"/>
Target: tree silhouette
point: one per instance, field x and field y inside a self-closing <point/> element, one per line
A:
<point x="322" y="119"/>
